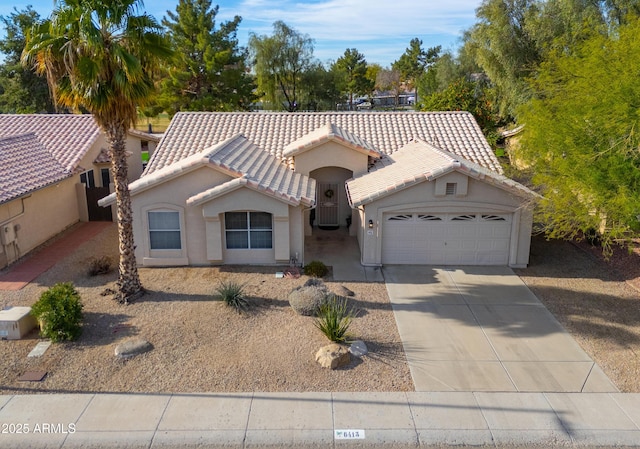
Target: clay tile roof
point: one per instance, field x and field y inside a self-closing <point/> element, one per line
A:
<point x="244" y="161"/>
<point x="67" y="137"/>
<point x="103" y="157"/>
<point x="417" y="162"/>
<point x="25" y="166"/>
<point x="386" y="132"/>
<point x="326" y="133"/>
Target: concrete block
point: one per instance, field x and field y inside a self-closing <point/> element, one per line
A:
<point x="186" y="439"/>
<point x="223" y="411"/>
<point x="298" y="411"/>
<point x="380" y="410"/>
<point x="123" y="413"/>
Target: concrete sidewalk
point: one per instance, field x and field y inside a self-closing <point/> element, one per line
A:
<point x="394" y="420"/>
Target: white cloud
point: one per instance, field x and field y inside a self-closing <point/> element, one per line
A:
<point x="378" y="28"/>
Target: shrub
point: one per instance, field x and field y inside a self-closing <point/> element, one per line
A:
<point x="334" y="319"/>
<point x="232" y="294"/>
<point x="59" y="312"/>
<point x="306" y="300"/>
<point x="316" y="269"/>
<point x="99" y="265"/>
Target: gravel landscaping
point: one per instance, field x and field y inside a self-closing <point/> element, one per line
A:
<point x="201" y="345"/>
<point x="598" y="302"/>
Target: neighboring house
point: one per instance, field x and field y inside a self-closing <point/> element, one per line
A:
<point x="53" y="169"/>
<point x="419" y="188"/>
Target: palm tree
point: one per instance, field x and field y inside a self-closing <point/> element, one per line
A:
<point x="100" y="56"/>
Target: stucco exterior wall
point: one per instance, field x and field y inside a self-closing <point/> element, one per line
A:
<point x="202" y="226"/>
<point x="331" y="154"/>
<point x="173" y="195"/>
<point x="38" y="217"/>
<point x="134" y="161"/>
<point x="479" y="197"/>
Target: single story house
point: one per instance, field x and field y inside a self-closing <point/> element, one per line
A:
<point x="413" y="187"/>
<point x="53" y="170"/>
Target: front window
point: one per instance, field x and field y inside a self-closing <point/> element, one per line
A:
<point x="248" y="230"/>
<point x="164" y="229"/>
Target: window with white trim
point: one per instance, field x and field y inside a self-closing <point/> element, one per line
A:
<point x="463" y="218"/>
<point x="403" y="217"/>
<point x="428" y="218"/>
<point x="248" y="230"/>
<point x="87" y="179"/>
<point x="164" y="229"/>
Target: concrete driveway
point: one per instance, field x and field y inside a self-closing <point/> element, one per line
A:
<point x="482" y="329"/>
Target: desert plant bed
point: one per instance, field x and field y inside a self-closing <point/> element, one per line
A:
<point x="201" y="344"/>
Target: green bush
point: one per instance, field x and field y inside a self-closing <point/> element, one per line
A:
<point x="316" y="269"/>
<point x="232" y="294"/>
<point x="59" y="312"/>
<point x="334" y="318"/>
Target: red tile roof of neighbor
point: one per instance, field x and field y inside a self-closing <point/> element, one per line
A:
<point x="67" y="137"/>
<point x="26" y="165"/>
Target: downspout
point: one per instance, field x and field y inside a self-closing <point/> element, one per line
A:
<point x="9" y="220"/>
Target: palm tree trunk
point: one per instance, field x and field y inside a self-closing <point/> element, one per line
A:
<point x="129" y="286"/>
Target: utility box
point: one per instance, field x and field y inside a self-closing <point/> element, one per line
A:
<point x="16" y="322"/>
<point x="7" y="234"/>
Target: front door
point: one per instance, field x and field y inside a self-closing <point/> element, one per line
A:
<point x="328" y="205"/>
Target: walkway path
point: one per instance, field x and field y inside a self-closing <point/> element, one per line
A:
<point x="301" y="420"/>
<point x="25" y="271"/>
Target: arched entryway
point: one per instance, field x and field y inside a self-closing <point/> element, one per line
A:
<point x="332" y="208"/>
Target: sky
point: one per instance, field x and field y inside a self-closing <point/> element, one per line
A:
<point x="379" y="29"/>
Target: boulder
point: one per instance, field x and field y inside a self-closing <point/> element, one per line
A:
<point x="358" y="348"/>
<point x="344" y="291"/>
<point x="333" y="356"/>
<point x="133" y="347"/>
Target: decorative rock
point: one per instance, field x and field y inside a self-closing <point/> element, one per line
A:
<point x="132" y="348"/>
<point x="333" y="356"/>
<point x="358" y="348"/>
<point x="314" y="282"/>
<point x="344" y="291"/>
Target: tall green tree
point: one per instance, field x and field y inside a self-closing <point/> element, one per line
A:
<point x="581" y="139"/>
<point x="21" y="89"/>
<point x="352" y="69"/>
<point x="466" y="94"/>
<point x="319" y="89"/>
<point x="100" y="56"/>
<point x="414" y="62"/>
<point x="280" y="62"/>
<point x="209" y="69"/>
<point x="505" y="48"/>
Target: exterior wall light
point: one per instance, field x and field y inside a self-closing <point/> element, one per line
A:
<point x="370" y="224"/>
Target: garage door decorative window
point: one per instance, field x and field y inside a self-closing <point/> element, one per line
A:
<point x="248" y="230"/>
<point x="164" y="229"/>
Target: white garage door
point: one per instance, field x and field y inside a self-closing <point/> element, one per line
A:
<point x="446" y="239"/>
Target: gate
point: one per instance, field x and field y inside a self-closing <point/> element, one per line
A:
<point x="96" y="212"/>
